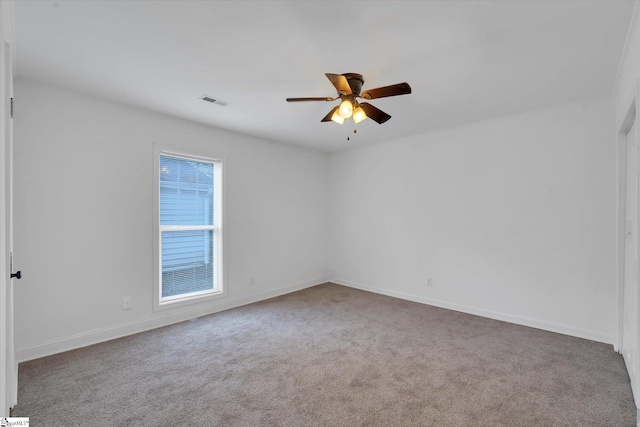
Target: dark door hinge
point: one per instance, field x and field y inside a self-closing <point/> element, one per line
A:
<point x="12" y="108"/>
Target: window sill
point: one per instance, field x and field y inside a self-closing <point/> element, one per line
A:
<point x="188" y="301"/>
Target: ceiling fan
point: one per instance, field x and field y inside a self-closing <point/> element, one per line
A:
<point x="349" y="86"/>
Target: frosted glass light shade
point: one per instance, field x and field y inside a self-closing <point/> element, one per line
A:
<point x="359" y="114"/>
<point x="336" y="117"/>
<point x="346" y="109"/>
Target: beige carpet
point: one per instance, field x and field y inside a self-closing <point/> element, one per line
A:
<point x="332" y="356"/>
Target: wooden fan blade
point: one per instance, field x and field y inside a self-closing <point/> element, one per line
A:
<point x="340" y="82"/>
<point x="382" y="92"/>
<point x="309" y="99"/>
<point x="374" y="113"/>
<point x="327" y="118"/>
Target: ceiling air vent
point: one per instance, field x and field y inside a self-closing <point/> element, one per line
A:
<point x="214" y="101"/>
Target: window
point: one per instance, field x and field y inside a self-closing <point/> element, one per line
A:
<point x="189" y="228"/>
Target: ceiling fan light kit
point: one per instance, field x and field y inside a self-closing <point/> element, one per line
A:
<point x="348" y="86"/>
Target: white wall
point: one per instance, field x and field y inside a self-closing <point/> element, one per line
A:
<point x="628" y="71"/>
<point x="83" y="209"/>
<point x="514" y="218"/>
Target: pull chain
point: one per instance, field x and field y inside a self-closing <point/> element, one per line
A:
<point x="354" y="131"/>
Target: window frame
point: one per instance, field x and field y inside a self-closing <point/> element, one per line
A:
<point x="219" y="289"/>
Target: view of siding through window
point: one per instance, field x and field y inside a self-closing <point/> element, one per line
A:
<point x="186" y="199"/>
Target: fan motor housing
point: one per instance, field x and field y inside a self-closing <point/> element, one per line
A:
<point x="355" y="81"/>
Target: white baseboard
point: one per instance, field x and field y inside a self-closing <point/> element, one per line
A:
<point x="157" y="321"/>
<point x="546" y="326"/>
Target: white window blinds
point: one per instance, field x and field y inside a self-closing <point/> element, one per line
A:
<point x="188" y="227"/>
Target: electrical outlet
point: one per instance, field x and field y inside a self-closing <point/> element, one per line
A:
<point x="127" y="303"/>
<point x="429" y="281"/>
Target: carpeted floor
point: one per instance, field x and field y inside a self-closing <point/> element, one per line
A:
<point x="332" y="356"/>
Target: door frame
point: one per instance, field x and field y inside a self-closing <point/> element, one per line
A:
<point x="633" y="115"/>
<point x="8" y="364"/>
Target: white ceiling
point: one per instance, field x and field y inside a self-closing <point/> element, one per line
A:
<point x="465" y="60"/>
